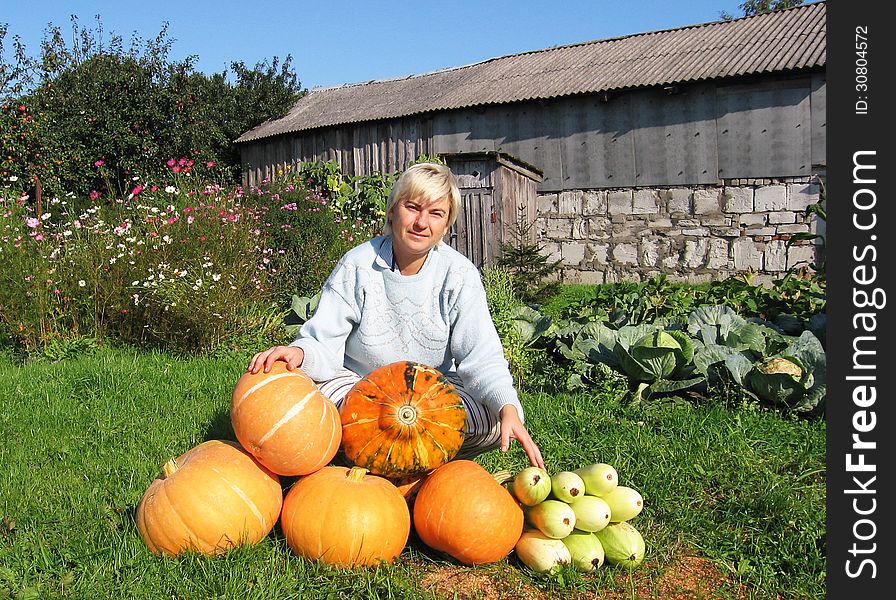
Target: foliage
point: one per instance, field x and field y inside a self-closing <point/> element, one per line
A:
<point x="130" y="107"/>
<point x="163" y="268"/>
<point x="309" y="235"/>
<point x="300" y="310"/>
<point x="795" y="302"/>
<point x="180" y="266"/>
<point x="520" y="328"/>
<point x="758" y="7"/>
<point x="532" y="270"/>
<point x="707" y="348"/>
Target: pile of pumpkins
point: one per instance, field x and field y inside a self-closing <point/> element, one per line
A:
<point x="364" y="475"/>
<point x="578" y="517"/>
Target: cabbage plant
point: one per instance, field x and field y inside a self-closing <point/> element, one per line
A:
<point x="780" y="379"/>
<point x="657" y="361"/>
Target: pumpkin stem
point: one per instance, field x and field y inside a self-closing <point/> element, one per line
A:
<point x="502" y="476"/>
<point x="407" y="415"/>
<point x="356" y="473"/>
<point x="169" y="468"/>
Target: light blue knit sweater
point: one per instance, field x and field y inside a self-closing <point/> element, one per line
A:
<point x="370" y="315"/>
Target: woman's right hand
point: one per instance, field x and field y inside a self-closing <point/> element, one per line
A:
<point x="292" y="355"/>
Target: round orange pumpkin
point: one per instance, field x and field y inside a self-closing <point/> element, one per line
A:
<point x="462" y="511"/>
<point x="283" y="419"/>
<point x="402" y="419"/>
<point x="346" y="517"/>
<point x="213" y="497"/>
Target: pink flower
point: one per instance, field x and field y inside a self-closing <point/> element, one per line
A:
<point x="99" y="163"/>
<point x="188" y="209"/>
<point x="182" y="162"/>
<point x="154" y="188"/>
<point x="172" y="220"/>
<point x="39" y="237"/>
<point x="176" y="169"/>
<point x="210" y="164"/>
<point x="94" y="195"/>
<point x="32" y="222"/>
<point x="171" y="162"/>
<point x="190" y="220"/>
<point x="137" y="189"/>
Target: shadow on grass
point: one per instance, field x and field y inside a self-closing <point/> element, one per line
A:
<point x="220" y="427"/>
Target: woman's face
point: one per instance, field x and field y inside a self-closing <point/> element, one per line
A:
<point x="417" y="226"/>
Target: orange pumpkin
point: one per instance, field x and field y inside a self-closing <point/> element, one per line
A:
<point x="346" y="517"/>
<point x="462" y="511"/>
<point x="401" y="419"/>
<point x="283" y="419"/>
<point x="213" y="497"/>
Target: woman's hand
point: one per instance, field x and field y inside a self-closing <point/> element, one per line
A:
<point x="512" y="428"/>
<point x="292" y="355"/>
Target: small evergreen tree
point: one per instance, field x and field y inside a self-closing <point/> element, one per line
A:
<point x="531" y="269"/>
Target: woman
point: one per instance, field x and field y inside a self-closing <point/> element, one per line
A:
<point x="407" y="295"/>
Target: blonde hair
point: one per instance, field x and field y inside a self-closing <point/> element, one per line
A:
<point x="428" y="183"/>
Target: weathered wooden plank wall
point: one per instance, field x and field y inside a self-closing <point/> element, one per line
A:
<point x="764" y="131"/>
<point x="382" y="146"/>
<point x="689" y="135"/>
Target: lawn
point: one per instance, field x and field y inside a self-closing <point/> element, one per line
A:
<point x="734" y="496"/>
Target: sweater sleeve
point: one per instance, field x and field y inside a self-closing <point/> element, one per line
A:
<point x="323" y="336"/>
<point x="477" y="350"/>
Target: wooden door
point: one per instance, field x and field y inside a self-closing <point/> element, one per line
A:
<point x="475" y="234"/>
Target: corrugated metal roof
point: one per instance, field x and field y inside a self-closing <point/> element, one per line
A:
<point x="783" y="40"/>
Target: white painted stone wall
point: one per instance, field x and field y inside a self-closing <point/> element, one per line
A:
<point x="690" y="234"/>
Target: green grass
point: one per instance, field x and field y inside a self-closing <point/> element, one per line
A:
<point x="85" y="437"/>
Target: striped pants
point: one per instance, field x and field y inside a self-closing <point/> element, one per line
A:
<point x="483" y="429"/>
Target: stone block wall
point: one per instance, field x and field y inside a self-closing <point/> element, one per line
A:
<point x="689" y="233"/>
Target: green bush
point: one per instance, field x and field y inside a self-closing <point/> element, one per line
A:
<point x="307" y="236"/>
<point x="132" y="108"/>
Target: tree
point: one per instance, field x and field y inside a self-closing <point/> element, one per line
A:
<point x="757" y="7"/>
<point x="99" y="113"/>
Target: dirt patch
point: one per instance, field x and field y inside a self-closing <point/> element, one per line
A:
<point x="694" y="578"/>
<point x="687" y="578"/>
<point x="463" y="583"/>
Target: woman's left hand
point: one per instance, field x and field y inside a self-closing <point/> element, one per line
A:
<point x="512" y="428"/>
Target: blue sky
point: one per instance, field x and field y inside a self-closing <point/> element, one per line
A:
<point x="336" y="41"/>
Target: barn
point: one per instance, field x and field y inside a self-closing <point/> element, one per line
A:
<point x="692" y="151"/>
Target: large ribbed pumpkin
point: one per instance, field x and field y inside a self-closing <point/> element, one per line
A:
<point x="462" y="511"/>
<point x="213" y="497"/>
<point x="283" y="419"/>
<point x="401" y="419"/>
<point x="346" y="517"/>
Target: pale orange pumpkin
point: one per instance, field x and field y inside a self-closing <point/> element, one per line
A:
<point x="401" y="419"/>
<point x="463" y="511"/>
<point x="284" y="420"/>
<point x="346" y="517"/>
<point x="210" y="499"/>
